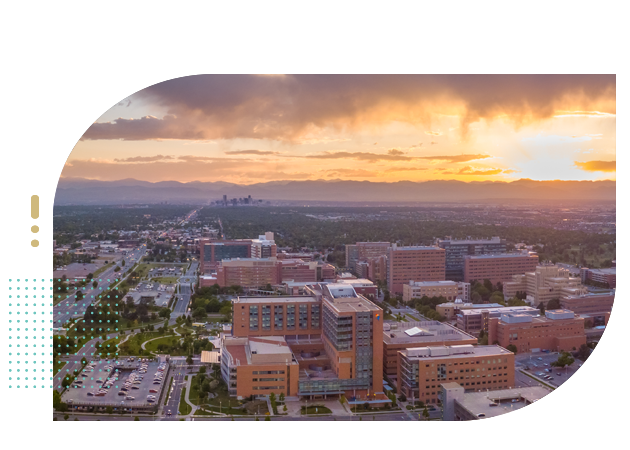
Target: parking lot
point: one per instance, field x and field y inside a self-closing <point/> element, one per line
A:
<point x="129" y="384"/>
<point x="539" y="365"/>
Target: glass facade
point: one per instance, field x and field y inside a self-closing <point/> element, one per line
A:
<point x="315" y="313"/>
<point x="290" y="317"/>
<point x="278" y="317"/>
<point x="253" y="317"/>
<point x="266" y="317"/>
<point x="303" y="317"/>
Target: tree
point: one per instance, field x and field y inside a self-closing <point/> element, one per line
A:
<point x="123" y="263"/>
<point x="116" y="269"/>
<point x="109" y="410"/>
<point x="565" y="359"/>
<point x="512" y="348"/>
<point x="267" y="418"/>
<point x="281" y="396"/>
<point x="541" y="306"/>
<point x="552" y="304"/>
<point x="583" y="352"/>
<point x="189" y="360"/>
<point x="136" y="419"/>
<point x="425" y="413"/>
<point x="66" y="417"/>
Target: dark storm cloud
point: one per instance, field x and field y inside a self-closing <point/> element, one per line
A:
<point x="288" y="107"/>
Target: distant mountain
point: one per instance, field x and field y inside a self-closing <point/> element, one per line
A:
<point x="84" y="191"/>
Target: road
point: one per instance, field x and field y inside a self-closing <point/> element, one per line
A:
<point x="397" y="416"/>
<point x="178" y="371"/>
<point x="183" y="298"/>
<point x="69" y="308"/>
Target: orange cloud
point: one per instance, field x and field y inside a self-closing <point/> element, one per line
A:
<point x="470" y="171"/>
<point x="597" y="166"/>
<point x="290" y="107"/>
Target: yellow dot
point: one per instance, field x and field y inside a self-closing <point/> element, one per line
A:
<point x="34" y="243"/>
<point x="34" y="228"/>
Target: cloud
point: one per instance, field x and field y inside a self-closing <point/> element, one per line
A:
<point x="597" y="166"/>
<point x="404" y="169"/>
<point x="144" y="159"/>
<point x="510" y="171"/>
<point x="288" y="108"/>
<point x="433" y="133"/>
<point x="393" y="155"/>
<point x="454" y="158"/>
<point x="433" y="142"/>
<point x="251" y="152"/>
<point x="352" y="173"/>
<point x="470" y="171"/>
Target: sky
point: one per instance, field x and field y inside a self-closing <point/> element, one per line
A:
<point x="385" y="128"/>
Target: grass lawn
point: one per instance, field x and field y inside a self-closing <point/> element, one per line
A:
<point x="165" y="280"/>
<point x="131" y="347"/>
<point x="102" y="269"/>
<point x="315" y="409"/>
<point x="58" y="365"/>
<point x="153" y="345"/>
<point x="221" y="403"/>
<point x="201" y="412"/>
<point x="184" y="408"/>
<point x="414" y="318"/>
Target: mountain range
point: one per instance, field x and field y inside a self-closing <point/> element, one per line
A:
<point x="83" y="191"/>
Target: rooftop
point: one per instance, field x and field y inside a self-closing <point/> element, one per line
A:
<point x="282" y="299"/>
<point x="454" y="351"/>
<point x="503" y="310"/>
<point x="479" y="402"/>
<point x="421" y="332"/>
<point x="501" y="255"/>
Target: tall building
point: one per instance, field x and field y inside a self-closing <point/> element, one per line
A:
<point x="606" y="277"/>
<point x="456" y="249"/>
<point x="211" y="253"/>
<point x="450" y="290"/>
<point x="264" y="246"/>
<point x="422" y="371"/>
<point x="559" y="330"/>
<point x="249" y="272"/>
<point x="326" y="343"/>
<point x="364" y="251"/>
<point x="414" y="263"/>
<point x="498" y="268"/>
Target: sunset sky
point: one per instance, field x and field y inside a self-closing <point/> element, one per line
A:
<point x="257" y="128"/>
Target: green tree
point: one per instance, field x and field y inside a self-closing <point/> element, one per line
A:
<point x="512" y="348"/>
<point x="552" y="304"/>
<point x="66" y="417"/>
<point x="123" y="263"/>
<point x="565" y="359"/>
<point x="109" y="410"/>
<point x="136" y="419"/>
<point x="583" y="352"/>
<point x="425" y="413"/>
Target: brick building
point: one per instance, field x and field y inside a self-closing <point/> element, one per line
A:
<point x="414" y="263"/>
<point x="498" y="268"/>
<point x="558" y="330"/>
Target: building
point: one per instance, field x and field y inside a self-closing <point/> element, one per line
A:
<point x="259" y="366"/>
<point x="473" y="320"/>
<point x="276" y="316"/>
<point x="398" y="336"/>
<point x="264" y="246"/>
<point x="559" y="330"/>
<point x="603" y="277"/>
<point x="456" y="249"/>
<point x="364" y="251"/>
<point x="457" y="404"/>
<point x="450" y="290"/>
<point x="498" y="268"/>
<point x="362" y="287"/>
<point x="547" y="282"/>
<point x="249" y="272"/>
<point x="422" y="371"/>
<point x="414" y="263"/>
<point x="595" y="305"/>
<point x="333" y="345"/>
<point x="211" y="253"/>
<point x="450" y="310"/>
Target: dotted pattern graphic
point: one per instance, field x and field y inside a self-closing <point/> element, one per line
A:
<point x="47" y="347"/>
<point x="30" y="333"/>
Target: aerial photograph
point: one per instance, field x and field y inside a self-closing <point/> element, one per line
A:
<point x="334" y="247"/>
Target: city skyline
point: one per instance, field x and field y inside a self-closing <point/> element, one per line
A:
<point x="382" y="128"/>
